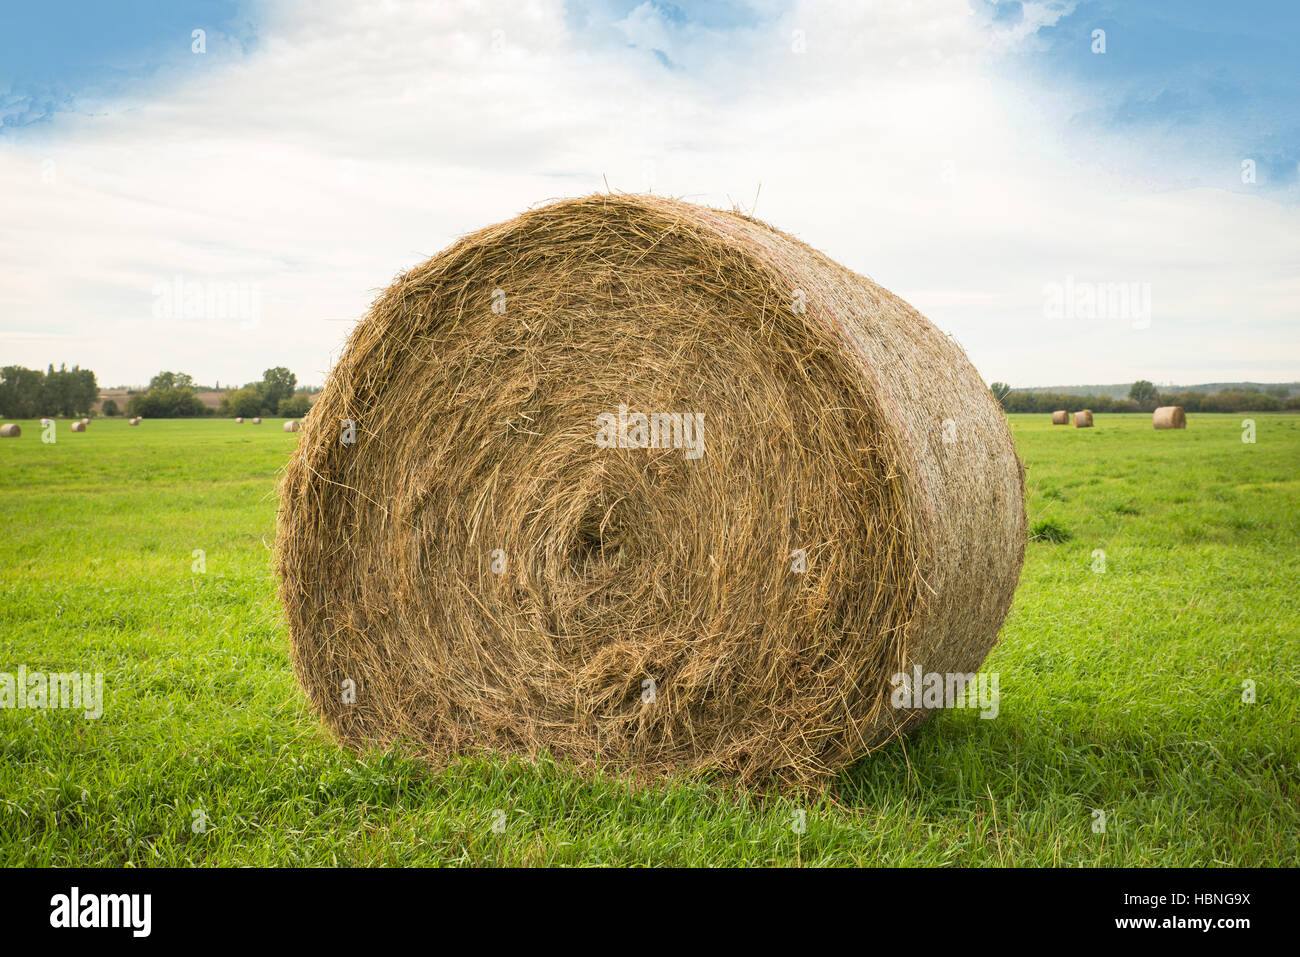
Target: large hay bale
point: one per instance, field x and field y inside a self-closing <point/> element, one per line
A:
<point x="239" y="420"/>
<point x="291" y="425"/>
<point x="1083" y="419"/>
<point x="477" y="568"/>
<point x="10" y="430"/>
<point x="85" y="421"/>
<point x="257" y="420"/>
<point x="1169" y="417"/>
<point x="45" y="422"/>
<point x="134" y="421"/>
<point x="1060" y="417"/>
<point x="78" y="426"/>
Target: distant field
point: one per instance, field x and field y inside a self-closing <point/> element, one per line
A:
<point x="1121" y="678"/>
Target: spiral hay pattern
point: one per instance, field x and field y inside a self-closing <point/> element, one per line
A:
<point x="484" y="573"/>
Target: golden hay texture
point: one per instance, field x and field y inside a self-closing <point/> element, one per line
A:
<point x="1083" y="419"/>
<point x="1060" y="417"/>
<point x="486" y="575"/>
<point x="78" y="426"/>
<point x="292" y="425"/>
<point x="1169" y="417"/>
<point x="10" y="430"/>
<point x="257" y="420"/>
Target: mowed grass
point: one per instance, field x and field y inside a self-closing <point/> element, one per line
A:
<point x="1121" y="678"/>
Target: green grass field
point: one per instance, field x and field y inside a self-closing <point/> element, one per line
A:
<point x="1121" y="678"/>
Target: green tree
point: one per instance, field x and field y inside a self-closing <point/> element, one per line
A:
<point x="171" y="395"/>
<point x="246" y="402"/>
<point x="109" y="407"/>
<point x="21" y="392"/>
<point x="295" y="406"/>
<point x="1143" y="393"/>
<point x="277" y="384"/>
<point x="172" y="380"/>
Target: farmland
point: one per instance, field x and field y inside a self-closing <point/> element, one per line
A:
<point x="1149" y="683"/>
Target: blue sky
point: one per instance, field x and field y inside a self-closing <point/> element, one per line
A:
<point x="1197" y="81"/>
<point x="1213" y="81"/>
<point x="967" y="154"/>
<point x="1187" y="71"/>
<point x="60" y="56"/>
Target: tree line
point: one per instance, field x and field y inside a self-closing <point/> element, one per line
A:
<point x="173" y="395"/>
<point x="30" y="393"/>
<point x="1145" y="397"/>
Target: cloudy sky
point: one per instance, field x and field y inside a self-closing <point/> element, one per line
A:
<point x="986" y="161"/>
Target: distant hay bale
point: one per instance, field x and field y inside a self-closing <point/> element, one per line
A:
<point x="1083" y="420"/>
<point x="257" y="420"/>
<point x="85" y="420"/>
<point x="239" y="420"/>
<point x="1060" y="417"/>
<point x="1169" y="417"/>
<point x="10" y="430"/>
<point x="524" y="565"/>
<point x="45" y="422"/>
<point x="135" y="421"/>
<point x="78" y="426"/>
<point x="291" y="425"/>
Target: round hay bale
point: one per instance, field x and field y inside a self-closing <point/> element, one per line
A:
<point x="239" y="420"/>
<point x="45" y="422"/>
<point x="1060" y="417"/>
<point x="548" y="561"/>
<point x="85" y="421"/>
<point x="10" y="430"/>
<point x="78" y="426"/>
<point x="257" y="420"/>
<point x="1083" y="420"/>
<point x="135" y="421"/>
<point x="291" y="426"/>
<point x="1169" y="417"/>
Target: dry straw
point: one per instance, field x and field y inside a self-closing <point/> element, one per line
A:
<point x="1083" y="419"/>
<point x="292" y="425"/>
<point x="1060" y="417"/>
<point x="10" y="431"/>
<point x="78" y="426"/>
<point x="1169" y="417"/>
<point x="257" y="420"/>
<point x="239" y="420"/>
<point x="475" y="571"/>
<point x="134" y="422"/>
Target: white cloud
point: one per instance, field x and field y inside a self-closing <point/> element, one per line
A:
<point x="360" y="138"/>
